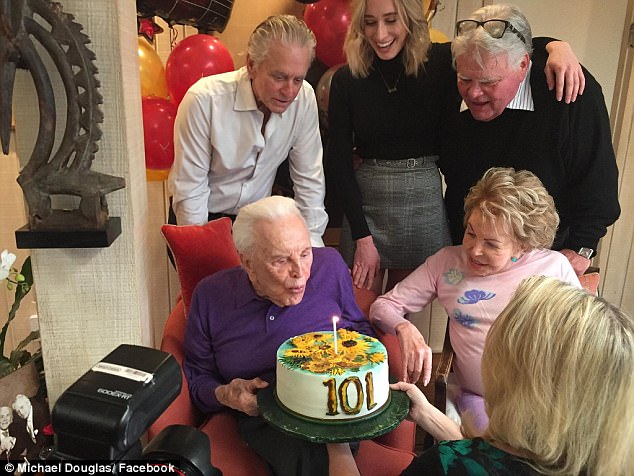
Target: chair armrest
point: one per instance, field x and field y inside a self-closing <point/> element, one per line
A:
<point x="364" y="299"/>
<point x="442" y="373"/>
<point x="590" y="282"/>
<point x="375" y="459"/>
<point x="181" y="411"/>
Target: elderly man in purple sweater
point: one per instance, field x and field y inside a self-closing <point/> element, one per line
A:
<point x="240" y="316"/>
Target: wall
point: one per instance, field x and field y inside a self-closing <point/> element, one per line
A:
<point x="593" y="29"/>
<point x="92" y="300"/>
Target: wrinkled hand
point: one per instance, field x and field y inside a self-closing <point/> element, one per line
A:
<point x="418" y="401"/>
<point x="415" y="353"/>
<point x="563" y="70"/>
<point x="578" y="262"/>
<point x="366" y="263"/>
<point x="239" y="394"/>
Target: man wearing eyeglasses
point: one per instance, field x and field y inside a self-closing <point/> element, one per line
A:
<point x="505" y="115"/>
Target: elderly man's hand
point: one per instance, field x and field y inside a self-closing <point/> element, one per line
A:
<point x="415" y="353"/>
<point x="563" y="70"/>
<point x="239" y="394"/>
<point x="578" y="262"/>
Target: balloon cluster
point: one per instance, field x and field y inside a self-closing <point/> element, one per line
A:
<point x="163" y="88"/>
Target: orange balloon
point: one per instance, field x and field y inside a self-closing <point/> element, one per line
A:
<point x="156" y="175"/>
<point x="152" y="71"/>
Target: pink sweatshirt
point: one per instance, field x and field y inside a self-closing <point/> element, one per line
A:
<point x="471" y="302"/>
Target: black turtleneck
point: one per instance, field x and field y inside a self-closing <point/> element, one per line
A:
<point x="382" y="125"/>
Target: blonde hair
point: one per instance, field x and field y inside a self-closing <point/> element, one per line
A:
<point x="359" y="52"/>
<point x="269" y="208"/>
<point x="558" y="376"/>
<point x="287" y="29"/>
<point x="519" y="201"/>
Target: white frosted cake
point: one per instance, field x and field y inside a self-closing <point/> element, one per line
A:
<point x="314" y="382"/>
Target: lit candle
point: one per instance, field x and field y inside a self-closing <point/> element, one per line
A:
<point x="334" y="331"/>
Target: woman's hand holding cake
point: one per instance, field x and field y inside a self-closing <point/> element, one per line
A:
<point x="426" y="415"/>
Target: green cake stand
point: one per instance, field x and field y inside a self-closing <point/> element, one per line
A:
<point x="333" y="431"/>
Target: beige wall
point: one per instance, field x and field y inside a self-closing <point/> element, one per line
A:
<point x="593" y="29"/>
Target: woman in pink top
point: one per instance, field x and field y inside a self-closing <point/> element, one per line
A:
<point x="510" y="222"/>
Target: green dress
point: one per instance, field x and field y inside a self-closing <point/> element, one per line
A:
<point x="473" y="457"/>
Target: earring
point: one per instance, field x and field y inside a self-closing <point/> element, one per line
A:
<point x="514" y="259"/>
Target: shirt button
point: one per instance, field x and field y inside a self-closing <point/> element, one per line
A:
<point x="271" y="318"/>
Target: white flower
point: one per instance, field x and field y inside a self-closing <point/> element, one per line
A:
<point x="7" y="263"/>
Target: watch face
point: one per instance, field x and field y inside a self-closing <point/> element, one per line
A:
<point x="585" y="252"/>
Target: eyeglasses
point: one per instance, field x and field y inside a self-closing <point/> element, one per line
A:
<point x="494" y="27"/>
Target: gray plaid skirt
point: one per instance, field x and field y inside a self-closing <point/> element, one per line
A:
<point x="404" y="208"/>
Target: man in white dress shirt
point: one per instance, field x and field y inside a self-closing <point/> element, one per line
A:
<point x="234" y="129"/>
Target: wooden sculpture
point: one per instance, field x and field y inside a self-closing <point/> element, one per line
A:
<point x="66" y="171"/>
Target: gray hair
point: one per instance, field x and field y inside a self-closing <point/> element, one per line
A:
<point x="18" y="398"/>
<point x="478" y="41"/>
<point x="269" y="208"/>
<point x="287" y="29"/>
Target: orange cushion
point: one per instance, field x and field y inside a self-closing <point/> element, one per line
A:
<point x="199" y="251"/>
<point x="590" y="282"/>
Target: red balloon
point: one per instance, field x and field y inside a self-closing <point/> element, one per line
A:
<point x="158" y="132"/>
<point x="329" y="20"/>
<point x="191" y="59"/>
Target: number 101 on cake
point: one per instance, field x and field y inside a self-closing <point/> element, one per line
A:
<point x="314" y="381"/>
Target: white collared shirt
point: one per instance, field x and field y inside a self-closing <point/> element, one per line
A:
<point x="523" y="99"/>
<point x="223" y="162"/>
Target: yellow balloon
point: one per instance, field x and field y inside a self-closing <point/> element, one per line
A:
<point x="437" y="36"/>
<point x="156" y="175"/>
<point x="151" y="71"/>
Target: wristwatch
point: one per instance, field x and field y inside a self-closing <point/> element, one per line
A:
<point x="585" y="252"/>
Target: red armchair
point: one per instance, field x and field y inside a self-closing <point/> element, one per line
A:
<point x="386" y="455"/>
<point x="198" y="252"/>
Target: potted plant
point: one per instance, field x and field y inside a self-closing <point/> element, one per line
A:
<point x="22" y="281"/>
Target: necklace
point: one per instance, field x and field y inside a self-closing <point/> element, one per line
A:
<point x="390" y="89"/>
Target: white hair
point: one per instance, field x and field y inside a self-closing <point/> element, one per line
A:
<point x="269" y="208"/>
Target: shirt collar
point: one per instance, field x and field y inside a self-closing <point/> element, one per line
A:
<point x="245" y="99"/>
<point x="523" y="99"/>
<point x="244" y="291"/>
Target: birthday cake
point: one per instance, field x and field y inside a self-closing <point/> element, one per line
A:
<point x="316" y="383"/>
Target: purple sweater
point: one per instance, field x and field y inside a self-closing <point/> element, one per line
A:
<point x="233" y="333"/>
